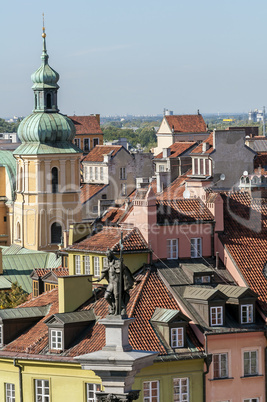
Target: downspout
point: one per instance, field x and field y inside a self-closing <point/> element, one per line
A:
<point x="207" y="361"/>
<point x="213" y="240"/>
<point x="20" y="379"/>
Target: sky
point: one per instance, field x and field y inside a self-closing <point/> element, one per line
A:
<point x="137" y="57"/>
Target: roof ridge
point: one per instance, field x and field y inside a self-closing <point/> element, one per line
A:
<point x="138" y="295"/>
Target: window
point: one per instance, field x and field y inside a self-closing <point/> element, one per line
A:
<point x="91" y="173"/>
<point x="77" y="142"/>
<point x="95" y="141"/>
<point x="86" y="264"/>
<point x="250" y="362"/>
<point x="201" y="166"/>
<point x="18" y="231"/>
<point x="181" y="389"/>
<point x="48" y="101"/>
<point x="246" y="313"/>
<point x="96" y="266"/>
<point x="123" y="189"/>
<point x="177" y="337"/>
<point x="91" y="390"/>
<point x="105" y="262"/>
<point x="122" y="173"/>
<point x="172" y="249"/>
<point x="161" y="168"/>
<point x="35" y="288"/>
<point x="49" y="286"/>
<point x="202" y="279"/>
<point x="216" y="315"/>
<point x="220" y="365"/>
<point x="96" y="173"/>
<point x="196" y="247"/>
<point x="54" y="173"/>
<point x="56" y="339"/>
<point x="1" y="335"/>
<point x="207" y="166"/>
<point x="252" y="400"/>
<point x="77" y="265"/>
<point x="151" y="391"/>
<point x="86" y="144"/>
<point x="56" y="233"/>
<point x="42" y="391"/>
<point x="101" y="173"/>
<point x="86" y="176"/>
<point x="10" y="392"/>
<point x="196" y="166"/>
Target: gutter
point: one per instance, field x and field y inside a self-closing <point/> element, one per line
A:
<point x="207" y="361"/>
<point x="20" y="379"/>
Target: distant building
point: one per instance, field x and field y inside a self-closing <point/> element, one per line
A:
<point x="88" y="131"/>
<point x="256" y="115"/>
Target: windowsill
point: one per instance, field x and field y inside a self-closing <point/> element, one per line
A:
<point x="252" y="376"/>
<point x="221" y="378"/>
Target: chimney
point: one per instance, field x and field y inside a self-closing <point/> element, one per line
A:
<point x="73" y="291"/>
<point x="166" y="152"/>
<point x="205" y="147"/>
<point x="98" y="118"/>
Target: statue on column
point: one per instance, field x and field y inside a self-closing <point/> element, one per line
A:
<point x="120" y="281"/>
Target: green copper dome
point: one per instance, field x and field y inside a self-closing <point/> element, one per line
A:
<point x="45" y="126"/>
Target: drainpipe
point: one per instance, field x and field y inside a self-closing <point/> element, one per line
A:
<point x="20" y="379"/>
<point x="207" y="361"/>
<point x="212" y="239"/>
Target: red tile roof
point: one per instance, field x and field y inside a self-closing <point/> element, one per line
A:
<point x="114" y="215"/>
<point x="88" y="191"/>
<point x="260" y="164"/>
<point x="187" y="123"/>
<point x="40" y="272"/>
<point x="176" y="189"/>
<point x="177" y="149"/>
<point x="86" y="124"/>
<point x="182" y="210"/>
<point x="109" y="237"/>
<point x="245" y="237"/>
<point x="199" y="148"/>
<point x="98" y="152"/>
<point x="148" y="293"/>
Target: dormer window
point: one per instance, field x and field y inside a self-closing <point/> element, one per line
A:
<point x="177" y="337"/>
<point x="246" y="313"/>
<point x="216" y="315"/>
<point x="56" y="339"/>
<point x="202" y="279"/>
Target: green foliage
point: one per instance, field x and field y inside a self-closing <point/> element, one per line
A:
<point x="145" y="136"/>
<point x="6" y="127"/>
<point x="13" y="297"/>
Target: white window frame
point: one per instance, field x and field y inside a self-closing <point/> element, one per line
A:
<point x="218" y="319"/>
<point x="96" y="266"/>
<point x="56" y="339"/>
<point x="101" y="173"/>
<point x="40" y="389"/>
<point x="251" y="400"/>
<point x="86" y="264"/>
<point x="105" y="262"/>
<point x="177" y="337"/>
<point x="77" y="259"/>
<point x="77" y="142"/>
<point x="9" y="392"/>
<point x="123" y="189"/>
<point x="172" y="249"/>
<point x="161" y="168"/>
<point x="251" y="372"/>
<point x="196" y="247"/>
<point x="181" y="389"/>
<point x="94" y="388"/>
<point x="86" y="173"/>
<point x="96" y="173"/>
<point x="1" y="335"/>
<point x="149" y="397"/>
<point x="221" y="362"/>
<point x="248" y="310"/>
<point x="202" y="279"/>
<point x="122" y="173"/>
<point x="90" y="173"/>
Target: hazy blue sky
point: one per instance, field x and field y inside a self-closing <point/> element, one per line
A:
<point x="121" y="56"/>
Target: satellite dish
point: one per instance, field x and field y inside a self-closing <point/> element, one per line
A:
<point x="245" y="173"/>
<point x="222" y="177"/>
<point x="186" y="193"/>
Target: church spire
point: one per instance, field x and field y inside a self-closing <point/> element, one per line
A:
<point x="44" y="56"/>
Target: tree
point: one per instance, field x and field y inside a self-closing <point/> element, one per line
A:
<point x="13" y="297"/>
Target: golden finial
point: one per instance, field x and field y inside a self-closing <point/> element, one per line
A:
<point x="43" y="34"/>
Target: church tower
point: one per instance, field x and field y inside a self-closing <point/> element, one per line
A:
<point x="48" y="168"/>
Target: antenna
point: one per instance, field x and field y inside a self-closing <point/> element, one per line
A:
<point x="263" y="121"/>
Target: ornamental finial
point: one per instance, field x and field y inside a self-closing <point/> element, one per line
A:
<point x="43" y="34"/>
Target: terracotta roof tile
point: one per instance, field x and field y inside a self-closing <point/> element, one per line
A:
<point x="187" y="123"/>
<point x="176" y="189"/>
<point x="109" y="237"/>
<point x="40" y="272"/>
<point x="86" y="124"/>
<point x="182" y="210"/>
<point x="245" y="237"/>
<point x="199" y="148"/>
<point x="98" y="152"/>
<point x="260" y="164"/>
<point x="115" y="215"/>
<point x="88" y="191"/>
<point x="177" y="149"/>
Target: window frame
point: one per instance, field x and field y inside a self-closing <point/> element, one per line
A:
<point x="11" y="397"/>
<point x="44" y="397"/>
<point x="250" y="373"/>
<point x="181" y="394"/>
<point x="86" y="139"/>
<point x="123" y="189"/>
<point x="150" y="397"/>
<point x="196" y="247"/>
<point x="178" y="332"/>
<point x="56" y="338"/>
<point x="220" y="364"/>
<point x="35" y="288"/>
<point x="247" y="313"/>
<point x="123" y="175"/>
<point x="219" y="321"/>
<point x="96" y="266"/>
<point x="77" y="264"/>
<point x="96" y="388"/>
<point x="77" y="142"/>
<point x="95" y="139"/>
<point x="251" y="399"/>
<point x="86" y="264"/>
<point x="170" y="249"/>
<point x="1" y="335"/>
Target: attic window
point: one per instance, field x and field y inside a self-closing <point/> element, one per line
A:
<point x="56" y="339"/>
<point x="216" y="316"/>
<point x="177" y="337"/>
<point x="246" y="313"/>
<point x="202" y="279"/>
<point x="35" y="288"/>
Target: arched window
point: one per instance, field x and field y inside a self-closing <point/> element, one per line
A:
<point x="54" y="180"/>
<point x="48" y="101"/>
<point x="35" y="101"/>
<point x="56" y="233"/>
<point x="18" y="231"/>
